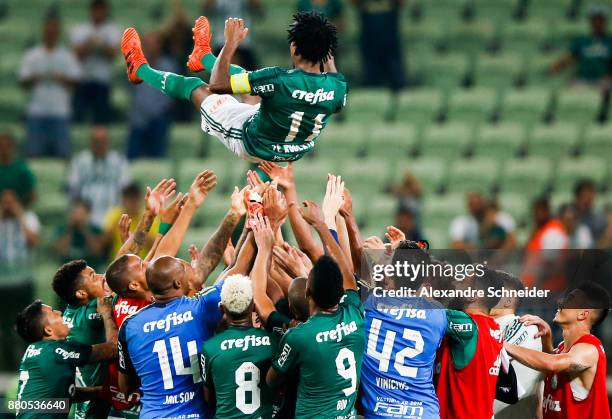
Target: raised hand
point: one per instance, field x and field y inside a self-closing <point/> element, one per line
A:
<point x="288" y="259"/>
<point x="283" y="175"/>
<point x="124" y="227"/>
<point x="235" y="32"/>
<point x="395" y="236"/>
<point x="238" y="205"/>
<point x="373" y="243"/>
<point x="312" y="213"/>
<point x="275" y="206"/>
<point x="334" y="198"/>
<point x="169" y="213"/>
<point x="347" y="207"/>
<point x="263" y="233"/>
<point x="201" y="186"/>
<point x="255" y="183"/>
<point x="544" y="329"/>
<point x="156" y="198"/>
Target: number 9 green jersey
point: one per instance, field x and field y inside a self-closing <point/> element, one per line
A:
<point x="326" y="352"/>
<point x="234" y="367"/>
<point x="295" y="108"/>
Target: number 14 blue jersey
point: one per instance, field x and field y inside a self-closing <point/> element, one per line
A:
<point x="160" y="344"/>
<point x="403" y="335"/>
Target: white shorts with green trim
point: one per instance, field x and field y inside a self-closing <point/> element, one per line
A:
<point x="223" y="117"/>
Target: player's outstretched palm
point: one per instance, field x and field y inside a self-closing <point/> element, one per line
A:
<point x="283" y="175"/>
<point x="235" y="32"/>
<point x="334" y="198"/>
<point x="157" y="197"/>
<point x="262" y="230"/>
<point x="201" y="186"/>
<point x="395" y="236"/>
<point x="312" y="213"/>
<point x="169" y="213"/>
<point x="124" y="227"/>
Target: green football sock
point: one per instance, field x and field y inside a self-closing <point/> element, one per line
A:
<point x="174" y="85"/>
<point x="208" y="61"/>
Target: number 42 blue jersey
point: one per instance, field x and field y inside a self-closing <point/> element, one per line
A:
<point x="403" y="335"/>
<point x="160" y="345"/>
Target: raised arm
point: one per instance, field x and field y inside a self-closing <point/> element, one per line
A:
<point x="235" y="32"/>
<point x="108" y="349"/>
<point x="580" y="357"/>
<point x="201" y="186"/>
<point x="352" y="229"/>
<point x="264" y="238"/>
<point x="314" y="216"/>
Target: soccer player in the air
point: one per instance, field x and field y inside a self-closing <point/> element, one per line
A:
<point x="326" y="351"/>
<point x="49" y="363"/>
<point x="295" y="106"/>
<point x="235" y="361"/>
<point x="397" y="370"/>
<point x="80" y="287"/>
<point x="518" y="333"/>
<point x="575" y="380"/>
<point x="470" y="356"/>
<point x="159" y="345"/>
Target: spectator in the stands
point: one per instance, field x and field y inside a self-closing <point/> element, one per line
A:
<point x="218" y="11"/>
<point x="95" y="43"/>
<point x="406" y="221"/>
<point x="380" y="43"/>
<point x="148" y="136"/>
<point x="475" y="229"/>
<point x="591" y="54"/>
<point x="98" y="175"/>
<point x="78" y="238"/>
<point x="585" y="193"/>
<point x="15" y="173"/>
<point x="333" y="9"/>
<point x="19" y="233"/>
<point x="49" y="72"/>
<point x="132" y="205"/>
<point x="410" y="194"/>
<point x="579" y="234"/>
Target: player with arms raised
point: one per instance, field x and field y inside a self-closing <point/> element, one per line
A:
<point x="295" y="104"/>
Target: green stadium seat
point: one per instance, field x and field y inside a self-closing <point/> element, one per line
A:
<point x="578" y="105"/>
<point x="368" y="104"/>
<point x="228" y="175"/>
<point x="525" y="37"/>
<point x="420" y="105"/>
<point x="571" y="170"/>
<point x="559" y="198"/>
<point x="450" y="140"/>
<point x="445" y="71"/>
<point x="431" y="172"/>
<point x="186" y="140"/>
<point x="495" y="11"/>
<point x="50" y="175"/>
<point x="564" y="31"/>
<point x="381" y="212"/>
<point x="311" y="176"/>
<point x="391" y="141"/>
<point x="472" y="105"/>
<point x="341" y="141"/>
<point x="148" y="172"/>
<point x="530" y="176"/>
<point x="516" y="204"/>
<point x="371" y="173"/>
<point x="556" y="140"/>
<point x="437" y="237"/>
<point x="549" y="9"/>
<point x="501" y="141"/>
<point x="536" y="71"/>
<point x="438" y="211"/>
<point x="470" y="36"/>
<point x="52" y="207"/>
<point x="12" y="102"/>
<point x="525" y="106"/>
<point x="500" y="70"/>
<point x="598" y="140"/>
<point x="477" y="174"/>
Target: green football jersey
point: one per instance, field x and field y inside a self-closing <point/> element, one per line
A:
<point x="86" y="326"/>
<point x="295" y="107"/>
<point x="234" y="365"/>
<point x="326" y="351"/>
<point x="47" y="371"/>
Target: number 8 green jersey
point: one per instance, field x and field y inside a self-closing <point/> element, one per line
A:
<point x="234" y="366"/>
<point x="326" y="351"/>
<point x="295" y="108"/>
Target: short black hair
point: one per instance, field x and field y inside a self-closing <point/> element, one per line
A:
<point x="583" y="184"/>
<point x="542" y="201"/>
<point x="315" y="38"/>
<point x="132" y="190"/>
<point x="490" y="278"/>
<point x="412" y="253"/>
<point x="28" y="323"/>
<point x="67" y="280"/>
<point x="82" y="202"/>
<point x="598" y="299"/>
<point x="325" y="285"/>
<point x="98" y="3"/>
<point x="115" y="275"/>
<point x="511" y="282"/>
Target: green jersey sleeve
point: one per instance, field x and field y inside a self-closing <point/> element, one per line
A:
<point x="351" y="298"/>
<point x="287" y="356"/>
<point x="462" y="333"/>
<point x="72" y="353"/>
<point x="207" y="377"/>
<point x="263" y="82"/>
<point x="277" y="323"/>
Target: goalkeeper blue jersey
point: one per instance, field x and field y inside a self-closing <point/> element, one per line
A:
<point x="403" y="335"/>
<point x="160" y="344"/>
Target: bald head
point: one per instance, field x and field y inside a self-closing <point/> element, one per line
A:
<point x="166" y="277"/>
<point x="297" y="298"/>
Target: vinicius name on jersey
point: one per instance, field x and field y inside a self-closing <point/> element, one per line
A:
<point x="469" y="292"/>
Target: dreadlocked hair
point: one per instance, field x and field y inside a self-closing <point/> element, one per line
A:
<point x="315" y="38"/>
